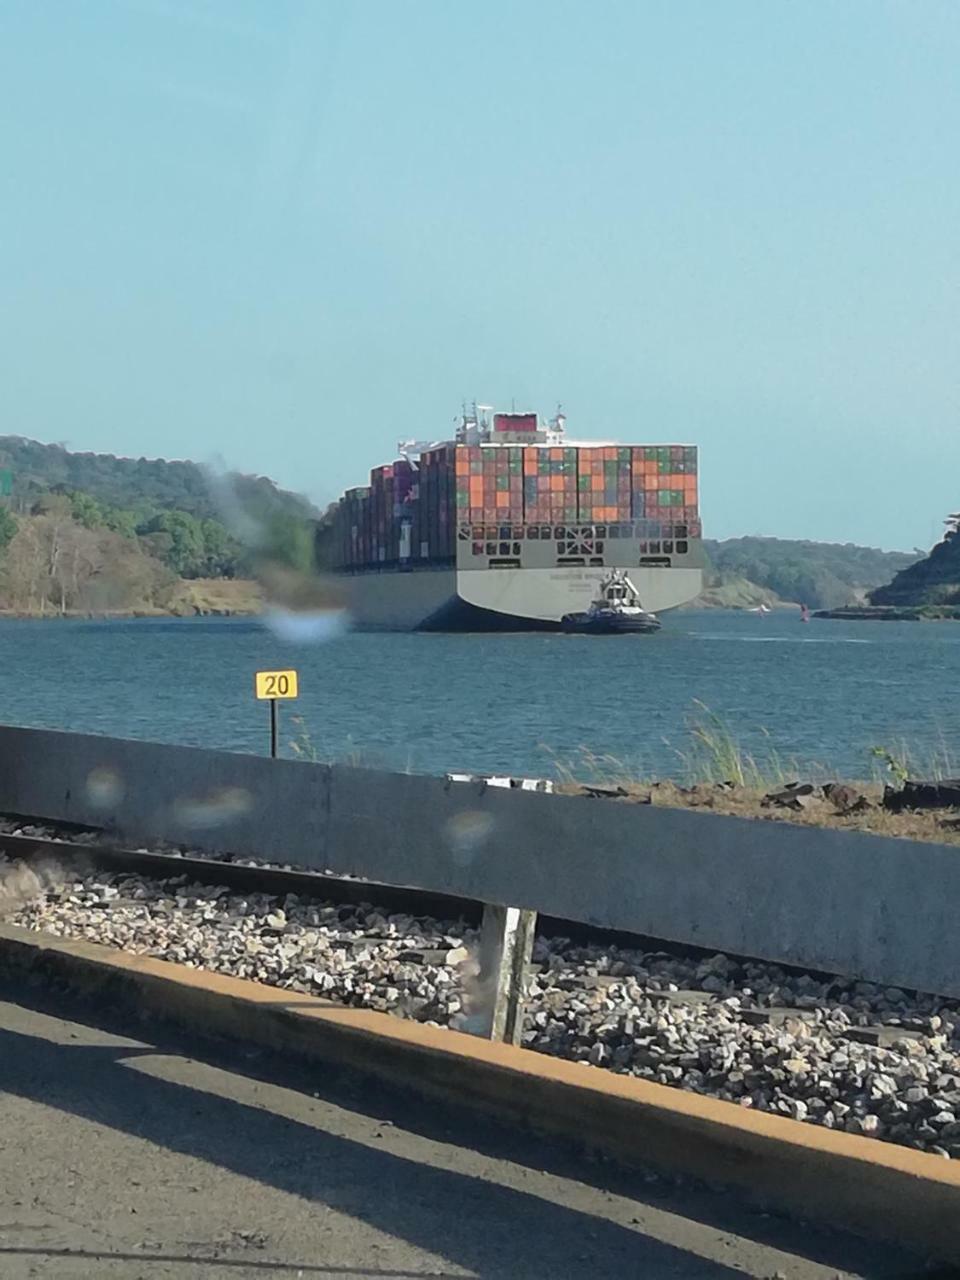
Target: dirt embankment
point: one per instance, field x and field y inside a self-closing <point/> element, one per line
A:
<point x="218" y="596"/>
<point x="846" y="806"/>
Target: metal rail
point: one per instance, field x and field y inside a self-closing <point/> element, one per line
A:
<point x="506" y="934"/>
<point x="246" y="879"/>
<point x="276" y="881"/>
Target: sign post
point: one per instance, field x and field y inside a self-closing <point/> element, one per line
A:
<point x="272" y="687"/>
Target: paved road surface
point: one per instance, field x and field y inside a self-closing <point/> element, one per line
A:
<point x="144" y="1155"/>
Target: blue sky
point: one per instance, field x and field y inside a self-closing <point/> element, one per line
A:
<point x="290" y="233"/>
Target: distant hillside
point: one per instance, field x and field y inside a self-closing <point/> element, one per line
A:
<point x="87" y="532"/>
<point x="823" y="575"/>
<point x="727" y="591"/>
<point x="930" y="581"/>
<point x="133" y="483"/>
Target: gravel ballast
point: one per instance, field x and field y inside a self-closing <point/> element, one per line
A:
<point x="846" y="1055"/>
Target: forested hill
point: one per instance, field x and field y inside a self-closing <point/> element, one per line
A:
<point x="934" y="580"/>
<point x="87" y="532"/>
<point x="134" y="484"/>
<point x="823" y="575"/>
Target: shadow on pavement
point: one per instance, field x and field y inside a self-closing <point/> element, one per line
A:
<point x="456" y="1215"/>
<point x="496" y="1231"/>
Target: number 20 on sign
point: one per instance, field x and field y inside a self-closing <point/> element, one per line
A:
<point x="276" y="684"/>
<point x="271" y="686"/>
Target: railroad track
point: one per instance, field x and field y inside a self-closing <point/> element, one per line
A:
<point x="244" y="877"/>
<point x="817" y="1047"/>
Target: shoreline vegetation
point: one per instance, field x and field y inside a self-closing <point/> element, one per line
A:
<point x="716" y="773"/>
<point x="893" y="613"/>
<point x="196" y="598"/>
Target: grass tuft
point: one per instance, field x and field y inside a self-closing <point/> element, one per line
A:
<point x="711" y="753"/>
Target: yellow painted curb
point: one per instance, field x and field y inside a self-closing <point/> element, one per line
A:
<point x="872" y="1187"/>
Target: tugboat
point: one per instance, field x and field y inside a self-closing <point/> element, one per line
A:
<point x="615" y="611"/>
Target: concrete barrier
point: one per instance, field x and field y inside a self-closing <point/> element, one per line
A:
<point x="861" y="905"/>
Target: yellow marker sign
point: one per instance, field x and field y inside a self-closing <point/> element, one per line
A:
<point x="276" y="684"/>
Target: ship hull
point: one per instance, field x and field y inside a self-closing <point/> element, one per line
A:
<point x="500" y="599"/>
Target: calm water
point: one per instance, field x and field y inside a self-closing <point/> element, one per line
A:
<point x="823" y="692"/>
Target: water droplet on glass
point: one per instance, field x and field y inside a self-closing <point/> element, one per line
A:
<point x="466" y="833"/>
<point x="279" y="530"/>
<point x="306" y="628"/>
<point x="213" y="810"/>
<point x="104" y="787"/>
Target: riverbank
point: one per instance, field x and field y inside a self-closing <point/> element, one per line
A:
<point x="194" y="597"/>
<point x="893" y="613"/>
<point x="219" y="596"/>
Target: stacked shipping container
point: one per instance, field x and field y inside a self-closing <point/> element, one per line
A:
<point x="664" y="483"/>
<point x="436" y="503"/>
<point x="411" y="513"/>
<point x="550" y="485"/>
<point x="489" y="484"/>
<point x="604" y="484"/>
<point x="637" y="482"/>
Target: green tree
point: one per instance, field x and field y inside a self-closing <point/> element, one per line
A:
<point x="8" y="527"/>
<point x="223" y="554"/>
<point x="87" y="511"/>
<point x="186" y="553"/>
<point x="119" y="520"/>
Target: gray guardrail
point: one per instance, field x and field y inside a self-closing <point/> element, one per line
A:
<point x="851" y="903"/>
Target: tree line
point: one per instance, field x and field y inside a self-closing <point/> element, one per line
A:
<point x="135" y="483"/>
<point x="69" y="552"/>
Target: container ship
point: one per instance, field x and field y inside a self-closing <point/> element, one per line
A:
<point x="511" y="525"/>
